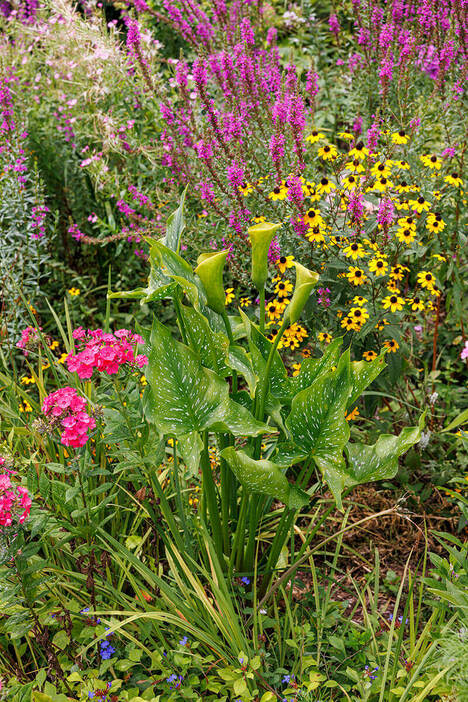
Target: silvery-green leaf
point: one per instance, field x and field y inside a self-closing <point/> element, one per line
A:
<point x="239" y="360"/>
<point x="380" y="460"/>
<point x="182" y="396"/>
<point x="240" y="421"/>
<point x="211" y="346"/>
<point x="362" y="375"/>
<point x="264" y="477"/>
<point x="317" y="420"/>
<point x="312" y="368"/>
<point x="175" y="225"/>
<point x="190" y="447"/>
<point x="287" y="454"/>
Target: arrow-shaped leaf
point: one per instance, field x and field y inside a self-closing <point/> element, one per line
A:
<point x="264" y="477"/>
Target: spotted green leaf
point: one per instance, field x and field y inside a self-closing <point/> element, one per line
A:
<point x="264" y="477"/>
<point x="380" y="460"/>
<point x="311" y="368"/>
<point x="317" y="419"/>
<point x="175" y="226"/>
<point x="211" y="346"/>
<point x="362" y="374"/>
<point x="190" y="447"/>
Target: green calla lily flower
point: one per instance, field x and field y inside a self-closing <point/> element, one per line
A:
<point x="260" y="237"/>
<point x="210" y="271"/>
<point x="305" y="281"/>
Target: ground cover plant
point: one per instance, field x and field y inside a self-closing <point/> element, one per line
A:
<point x="233" y="351"/>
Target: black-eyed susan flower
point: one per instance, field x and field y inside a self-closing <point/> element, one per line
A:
<point x="420" y="205"/>
<point x="348" y="324"/>
<point x="346" y="135"/>
<point x="315" y="136"/>
<point x="416" y="304"/>
<point x="25" y="407"/>
<point x="426" y="280"/>
<point x="382" y="324"/>
<point x="313" y="216"/>
<point x="245" y="302"/>
<point x="356" y="276"/>
<point x="394" y="303"/>
<point x="438" y="257"/>
<point x="327" y="152"/>
<point x="392" y="286"/>
<point x="407" y="222"/>
<point x="325" y="186"/>
<point x="284" y="262"/>
<point x="274" y="309"/>
<point x="391" y="345"/>
<point x="359" y="314"/>
<point x="359" y="151"/>
<point x="453" y="179"/>
<point x="245" y="188"/>
<point x="309" y="190"/>
<point x="350" y="182"/>
<point x="62" y="358"/>
<point x="296" y="368"/>
<point x="355" y="166"/>
<point x="278" y="193"/>
<point x="398" y="272"/>
<point x="359" y="300"/>
<point x="382" y="184"/>
<point x="400" y="137"/>
<point x="380" y="169"/>
<point x="229" y="296"/>
<point x="369" y="355"/>
<point x="401" y="165"/>
<point x="434" y="222"/>
<point x="315" y="234"/>
<point x="404" y="187"/>
<point x="354" y="251"/>
<point x="406" y="235"/>
<point x="401" y="205"/>
<point x="74" y="292"/>
<point x="258" y="220"/>
<point x="324" y="337"/>
<point x="306" y="353"/>
<point x="283" y="288"/>
<point x="378" y="266"/>
<point x="431" y="161"/>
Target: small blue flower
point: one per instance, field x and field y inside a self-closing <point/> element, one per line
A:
<point x="287" y="679"/>
<point x="107" y="651"/>
<point x="90" y="695"/>
<point x="245" y="581"/>
<point x="183" y="641"/>
<point x="83" y="611"/>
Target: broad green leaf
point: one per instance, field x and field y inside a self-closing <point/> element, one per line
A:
<point x="380" y="460"/>
<point x="182" y="396"/>
<point x="461" y="419"/>
<point x="190" y="447"/>
<point x="211" y="346"/>
<point x="317" y="420"/>
<point x="287" y="454"/>
<point x="175" y="268"/>
<point x="362" y="374"/>
<point x="239" y="421"/>
<point x="175" y="226"/>
<point x="311" y="368"/>
<point x="281" y="386"/>
<point x="264" y="477"/>
<point x="239" y="360"/>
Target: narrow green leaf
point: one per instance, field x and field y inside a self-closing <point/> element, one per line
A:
<point x="175" y="225"/>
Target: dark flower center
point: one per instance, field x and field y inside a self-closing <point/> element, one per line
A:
<point x="420" y="200"/>
<point x="358" y="274"/>
<point x="402" y="133"/>
<point x="354" y="247"/>
<point x="357" y="313"/>
<point x="429" y="276"/>
<point x="454" y="175"/>
<point x="379" y="264"/>
<point x="276" y="190"/>
<point x="383" y="181"/>
<point x="359" y="146"/>
<point x="433" y="159"/>
<point x="326" y="148"/>
<point x="324" y="181"/>
<point x="393" y="299"/>
<point x="311" y="213"/>
<point x="283" y="259"/>
<point x="381" y="167"/>
<point x="356" y="162"/>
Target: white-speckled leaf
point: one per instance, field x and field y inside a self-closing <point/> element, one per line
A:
<point x="264" y="477"/>
<point x="239" y="360"/>
<point x="380" y="461"/>
<point x="176" y="268"/>
<point x="175" y="225"/>
<point x="362" y="375"/>
<point x="181" y="396"/>
<point x="212" y="347"/>
<point x="240" y="421"/>
<point x="287" y="454"/>
<point x="312" y="368"/>
<point x="190" y="447"/>
<point x="317" y="419"/>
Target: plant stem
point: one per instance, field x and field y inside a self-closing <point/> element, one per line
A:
<point x="178" y="492"/>
<point x="262" y="310"/>
<point x="227" y="324"/>
<point x="209" y="492"/>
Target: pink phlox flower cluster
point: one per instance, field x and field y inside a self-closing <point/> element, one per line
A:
<point x="464" y="353"/>
<point x="104" y="351"/>
<point x="15" y="503"/>
<point x="29" y="339"/>
<point x="67" y="408"/>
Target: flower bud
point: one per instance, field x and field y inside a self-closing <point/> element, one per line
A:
<point x="305" y="281"/>
<point x="260" y="238"/>
<point x="210" y="271"/>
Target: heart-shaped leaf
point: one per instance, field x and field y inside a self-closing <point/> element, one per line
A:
<point x="211" y="346"/>
<point x="264" y="477"/>
<point x="362" y="374"/>
<point x="312" y="368"/>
